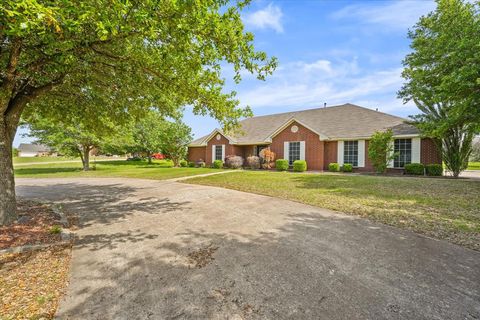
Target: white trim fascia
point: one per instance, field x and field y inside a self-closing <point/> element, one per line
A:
<point x="400" y="136"/>
<point x="289" y="122"/>
<point x="210" y="136"/>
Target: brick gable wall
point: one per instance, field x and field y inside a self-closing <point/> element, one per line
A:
<point x="313" y="146"/>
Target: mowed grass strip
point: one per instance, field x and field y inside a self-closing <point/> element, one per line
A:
<point x="473" y="166"/>
<point x="440" y="208"/>
<point x="43" y="159"/>
<point x="158" y="170"/>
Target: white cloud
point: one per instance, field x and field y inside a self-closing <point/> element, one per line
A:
<point x="394" y="15"/>
<point x="300" y="85"/>
<point x="269" y="17"/>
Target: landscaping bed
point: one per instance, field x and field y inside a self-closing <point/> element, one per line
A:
<point x="37" y="224"/>
<point x="446" y="209"/>
<point x="33" y="279"/>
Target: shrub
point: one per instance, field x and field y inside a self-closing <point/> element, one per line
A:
<point x="217" y="164"/>
<point x="191" y="164"/>
<point x="380" y="150"/>
<point x="253" y="162"/>
<point x="299" y="165"/>
<point x="414" y="168"/>
<point x="201" y="164"/>
<point x="183" y="163"/>
<point x="333" y="167"/>
<point x="55" y="229"/>
<point x="434" y="169"/>
<point x="281" y="164"/>
<point x="234" y="162"/>
<point x="347" y="167"/>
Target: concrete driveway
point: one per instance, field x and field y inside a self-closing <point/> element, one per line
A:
<point x="168" y="250"/>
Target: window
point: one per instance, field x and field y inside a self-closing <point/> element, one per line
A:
<point x="218" y="152"/>
<point x="403" y="149"/>
<point x="350" y="152"/>
<point x="293" y="152"/>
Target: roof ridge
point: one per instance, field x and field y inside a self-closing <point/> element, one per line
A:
<point x="287" y="112"/>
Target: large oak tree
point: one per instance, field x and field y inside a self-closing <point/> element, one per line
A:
<point x="144" y="49"/>
<point x="443" y="78"/>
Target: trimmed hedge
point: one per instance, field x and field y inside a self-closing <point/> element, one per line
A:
<point x="347" y="167"/>
<point x="281" y="164"/>
<point x="333" y="167"/>
<point x="300" y="165"/>
<point x="217" y="164"/>
<point x="434" y="169"/>
<point x="191" y="164"/>
<point x="183" y="163"/>
<point x="414" y="168"/>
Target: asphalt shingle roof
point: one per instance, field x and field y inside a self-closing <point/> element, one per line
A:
<point x="346" y="121"/>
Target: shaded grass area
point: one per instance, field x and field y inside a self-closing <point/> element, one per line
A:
<point x="441" y="208"/>
<point x="473" y="166"/>
<point x="158" y="170"/>
<point x="42" y="159"/>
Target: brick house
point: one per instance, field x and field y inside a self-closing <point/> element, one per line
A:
<point x="320" y="136"/>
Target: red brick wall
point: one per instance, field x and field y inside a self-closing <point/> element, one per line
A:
<point x="429" y="152"/>
<point x="213" y="141"/>
<point x="313" y="145"/>
<point x="330" y="155"/>
<point x="196" y="154"/>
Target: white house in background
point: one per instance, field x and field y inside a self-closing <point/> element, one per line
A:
<point x="33" y="150"/>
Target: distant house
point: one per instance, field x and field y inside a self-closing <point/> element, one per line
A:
<point x="33" y="150"/>
<point x="338" y="134"/>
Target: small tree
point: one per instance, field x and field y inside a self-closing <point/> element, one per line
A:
<point x="380" y="150"/>
<point x="175" y="138"/>
<point x="147" y="134"/>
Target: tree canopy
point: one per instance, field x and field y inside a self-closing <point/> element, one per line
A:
<point x="442" y="76"/>
<point x="161" y="53"/>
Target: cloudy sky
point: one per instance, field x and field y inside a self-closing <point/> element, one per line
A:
<point x="328" y="51"/>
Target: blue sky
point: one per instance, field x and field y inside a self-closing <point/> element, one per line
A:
<point x="328" y="51"/>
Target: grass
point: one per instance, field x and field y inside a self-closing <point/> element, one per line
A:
<point x="441" y="208"/>
<point x="473" y="166"/>
<point x="42" y="159"/>
<point x="158" y="170"/>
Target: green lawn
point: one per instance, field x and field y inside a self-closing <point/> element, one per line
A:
<point x="42" y="159"/>
<point x="474" y="166"/>
<point x="159" y="170"/>
<point x="441" y="208"/>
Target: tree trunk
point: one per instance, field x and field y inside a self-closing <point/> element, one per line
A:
<point x="8" y="206"/>
<point x="86" y="158"/>
<point x="149" y="156"/>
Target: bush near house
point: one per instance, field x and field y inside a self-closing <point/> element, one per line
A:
<point x="333" y="167"/>
<point x="415" y="169"/>
<point x="281" y="164"/>
<point x="253" y="162"/>
<point x="434" y="169"/>
<point x="183" y="163"/>
<point x="347" y="167"/>
<point x="300" y="165"/>
<point x="234" y="162"/>
<point x="217" y="164"/>
<point x="191" y="164"/>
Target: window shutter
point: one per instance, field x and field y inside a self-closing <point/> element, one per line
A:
<point x="340" y="153"/>
<point x="302" y="150"/>
<point x="285" y="150"/>
<point x="213" y="153"/>
<point x="390" y="163"/>
<point x="416" y="146"/>
<point x="361" y="153"/>
<point x="223" y="152"/>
